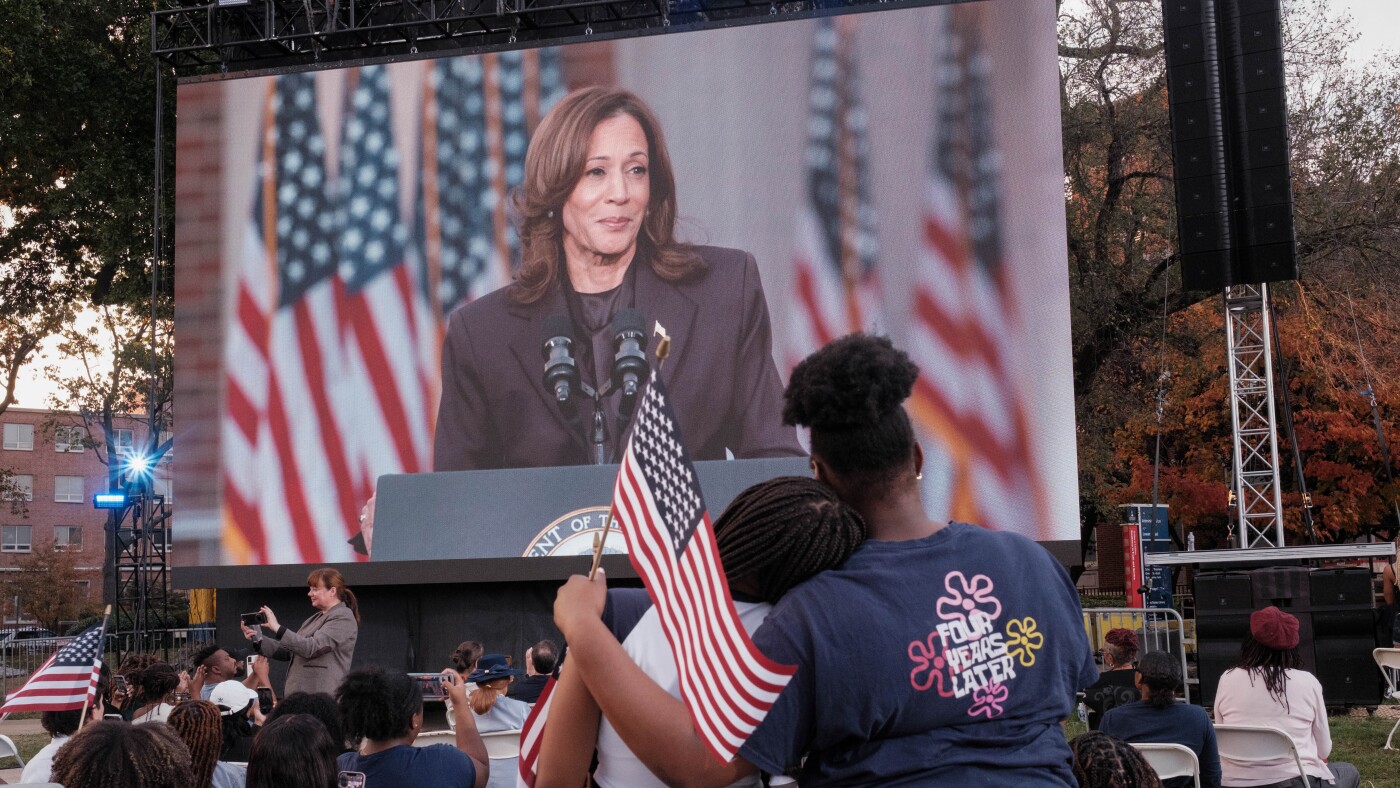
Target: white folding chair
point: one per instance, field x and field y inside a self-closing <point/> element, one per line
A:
<point x="8" y="748"/>
<point x="1171" y="760"/>
<point x="1388" y="660"/>
<point x="1256" y="744"/>
<point x="502" y="744"/>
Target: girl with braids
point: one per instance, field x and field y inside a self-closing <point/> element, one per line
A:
<point x="200" y="727"/>
<point x="772" y="536"/>
<point x="294" y="751"/>
<point x="382" y="713"/>
<point x="1101" y="761"/>
<point x="1267" y="687"/>
<point x="1115" y="685"/>
<point x="937" y="653"/>
<point x="1159" y="718"/>
<point x="117" y="754"/>
<point x="155" y="692"/>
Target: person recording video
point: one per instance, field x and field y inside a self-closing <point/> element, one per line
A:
<point x="320" y="649"/>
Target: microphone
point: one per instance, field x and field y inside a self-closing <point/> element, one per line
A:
<point x="560" y="369"/>
<point x="630" y="365"/>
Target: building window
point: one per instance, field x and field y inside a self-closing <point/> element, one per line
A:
<point x="160" y="539"/>
<point x="68" y="439"/>
<point x="68" y="489"/>
<point x="165" y="488"/>
<point x="22" y="487"/>
<point x="67" y="537"/>
<point x="19" y="437"/>
<point x="124" y="440"/>
<point x="14" y="539"/>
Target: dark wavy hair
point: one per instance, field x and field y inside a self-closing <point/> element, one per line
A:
<point x="555" y="161"/>
<point x="785" y="530"/>
<point x="293" y="751"/>
<point x="1161" y="673"/>
<point x="851" y="394"/>
<point x="466" y="654"/>
<point x="1272" y="665"/>
<point x="378" y="705"/>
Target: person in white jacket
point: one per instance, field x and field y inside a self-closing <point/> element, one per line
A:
<point x="1267" y="688"/>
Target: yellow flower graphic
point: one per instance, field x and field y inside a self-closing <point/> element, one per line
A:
<point x="1023" y="639"/>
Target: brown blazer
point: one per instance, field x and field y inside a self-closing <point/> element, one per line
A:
<point x="320" y="650"/>
<point x="724" y="386"/>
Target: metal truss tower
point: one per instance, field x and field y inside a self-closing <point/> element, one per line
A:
<point x="141" y="620"/>
<point x="1258" y="500"/>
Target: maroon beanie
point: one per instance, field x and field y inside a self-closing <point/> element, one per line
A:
<point x="1274" y="628"/>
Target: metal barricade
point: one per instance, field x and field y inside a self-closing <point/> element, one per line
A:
<point x="1158" y="629"/>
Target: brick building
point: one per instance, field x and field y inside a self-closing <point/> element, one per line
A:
<point x="45" y="453"/>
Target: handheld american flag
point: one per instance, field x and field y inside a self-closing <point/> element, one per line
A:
<point x="67" y="680"/>
<point x="532" y="736"/>
<point x="725" y="681"/>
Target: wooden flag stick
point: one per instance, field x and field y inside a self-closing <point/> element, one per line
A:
<point x="101" y="650"/>
<point x="598" y="542"/>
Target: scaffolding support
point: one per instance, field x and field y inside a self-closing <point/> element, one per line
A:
<point x="1258" y="499"/>
<point x="142" y="610"/>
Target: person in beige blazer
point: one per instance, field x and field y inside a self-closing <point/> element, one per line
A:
<point x="320" y="649"/>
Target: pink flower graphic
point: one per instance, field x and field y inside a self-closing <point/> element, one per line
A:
<point x="929" y="662"/>
<point x="988" y="700"/>
<point x="1023" y="639"/>
<point x="967" y="596"/>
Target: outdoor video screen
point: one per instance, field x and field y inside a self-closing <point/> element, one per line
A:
<point x="369" y="275"/>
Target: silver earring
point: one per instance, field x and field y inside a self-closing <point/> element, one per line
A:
<point x="550" y="214"/>
<point x="919" y="475"/>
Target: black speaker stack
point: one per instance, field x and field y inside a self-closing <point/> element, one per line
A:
<point x="1335" y="626"/>
<point x="1225" y="86"/>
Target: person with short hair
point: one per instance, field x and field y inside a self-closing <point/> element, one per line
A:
<point x="938" y="652"/>
<point x="238" y="705"/>
<point x="1102" y="761"/>
<point x="1115" y="686"/>
<point x="117" y="754"/>
<point x="1268" y="687"/>
<point x="60" y="725"/>
<point x="293" y="751"/>
<point x="1159" y="718"/>
<point x="383" y="713"/>
<point x="215" y="664"/>
<point x="539" y="666"/>
<point x="320" y="705"/>
<point x="199" y="725"/>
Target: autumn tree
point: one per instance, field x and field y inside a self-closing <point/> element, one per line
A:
<point x="45" y="582"/>
<point x="1130" y="319"/>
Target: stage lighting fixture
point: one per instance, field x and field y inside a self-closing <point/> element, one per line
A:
<point x="138" y="465"/>
<point x="116" y="499"/>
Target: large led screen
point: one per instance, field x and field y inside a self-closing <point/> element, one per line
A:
<point x="339" y="232"/>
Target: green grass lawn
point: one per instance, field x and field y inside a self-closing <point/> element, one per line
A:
<point x="1357" y="740"/>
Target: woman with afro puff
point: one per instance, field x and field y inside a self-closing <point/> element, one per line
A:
<point x="938" y="653"/>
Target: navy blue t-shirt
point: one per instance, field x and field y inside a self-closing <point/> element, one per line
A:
<point x="1179" y="723"/>
<point x="438" y="765"/>
<point x="950" y="658"/>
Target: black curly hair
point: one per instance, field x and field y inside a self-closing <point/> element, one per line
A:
<point x="317" y="704"/>
<point x="293" y="750"/>
<point x="851" y="394"/>
<point x="785" y="530"/>
<point x="378" y="705"/>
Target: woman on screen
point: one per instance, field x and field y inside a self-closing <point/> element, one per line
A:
<point x="597" y="226"/>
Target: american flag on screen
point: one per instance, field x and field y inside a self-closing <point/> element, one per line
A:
<point x="532" y="736"/>
<point x="67" y="680"/>
<point x="834" y="267"/>
<point x="965" y="323"/>
<point x="726" y="682"/>
<point x="290" y="493"/>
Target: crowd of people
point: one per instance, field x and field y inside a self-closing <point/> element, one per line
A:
<point x="925" y="653"/>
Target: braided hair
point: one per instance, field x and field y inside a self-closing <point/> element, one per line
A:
<point x="378" y="705"/>
<point x="783" y="531"/>
<point x="294" y="750"/>
<point x="198" y="725"/>
<point x="117" y="754"/>
<point x="1269" y="663"/>
<point x="850" y="393"/>
<point x="1161" y="674"/>
<point x="1101" y="761"/>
